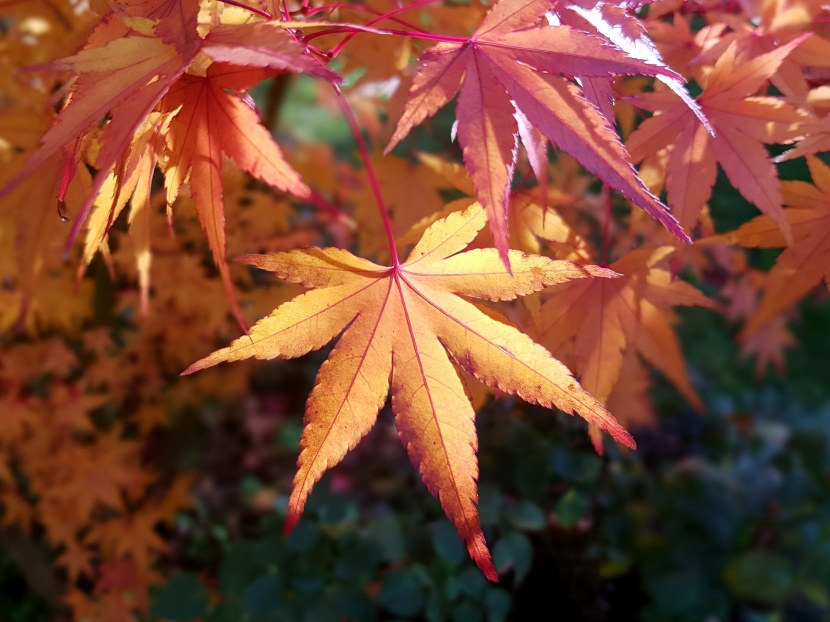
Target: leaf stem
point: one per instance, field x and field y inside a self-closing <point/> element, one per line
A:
<point x="351" y="119"/>
<point x="365" y="9"/>
<point x="401" y="33"/>
<point x="390" y="16"/>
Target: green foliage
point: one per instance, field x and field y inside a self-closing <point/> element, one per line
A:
<point x="725" y="515"/>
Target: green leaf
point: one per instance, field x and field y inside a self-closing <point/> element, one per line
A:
<point x="760" y="577"/>
<point x="466" y="611"/>
<point x="224" y="612"/>
<point x="237" y="568"/>
<point x="357" y="559"/>
<point x="571" y="507"/>
<point x="303" y="537"/>
<point x="437" y="607"/>
<point x="262" y="597"/>
<point x="355" y="606"/>
<point x="527" y="515"/>
<point x="515" y="552"/>
<point x="447" y="544"/>
<point x="497" y="603"/>
<point x="575" y="467"/>
<point x="288" y="436"/>
<point x="401" y="593"/>
<point x="182" y="598"/>
<point x="489" y="505"/>
<point x="386" y="533"/>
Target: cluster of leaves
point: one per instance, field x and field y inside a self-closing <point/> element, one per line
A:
<point x="723" y="515"/>
<point x="145" y="104"/>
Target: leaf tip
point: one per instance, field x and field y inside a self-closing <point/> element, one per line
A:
<point x="208" y="361"/>
<point x="481" y="556"/>
<point x="622" y="436"/>
<point x="190" y="370"/>
<point x="600" y="272"/>
<point x="291" y="520"/>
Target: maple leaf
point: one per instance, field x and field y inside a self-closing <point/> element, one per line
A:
<point x="628" y="33"/>
<point x="532" y="217"/>
<point x="776" y="24"/>
<point x="801" y="265"/>
<point x="77" y="560"/>
<point x="816" y="139"/>
<point x="630" y="399"/>
<point x="767" y="344"/>
<point x="600" y="319"/>
<point x="123" y="78"/>
<point x="508" y="66"/>
<point x="399" y="327"/>
<point x="680" y="45"/>
<point x="209" y="121"/>
<point x="738" y="143"/>
<point x="130" y="63"/>
<point x="410" y="193"/>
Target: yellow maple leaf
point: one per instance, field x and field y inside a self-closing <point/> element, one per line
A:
<point x="401" y="327"/>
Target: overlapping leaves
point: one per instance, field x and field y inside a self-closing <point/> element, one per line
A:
<point x="510" y="76"/>
<point x="400" y="327"/>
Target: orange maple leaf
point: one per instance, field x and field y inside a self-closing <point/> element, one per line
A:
<point x="600" y="319"/>
<point x="208" y="121"/>
<point x="400" y="326"/>
<point x="775" y="24"/>
<point x="512" y="74"/>
<point x="801" y="265"/>
<point x="738" y="143"/>
<point x="131" y="61"/>
<point x="816" y="139"/>
<point x="767" y="344"/>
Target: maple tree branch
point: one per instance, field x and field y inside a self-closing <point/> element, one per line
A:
<point x="390" y="16"/>
<point x="351" y="119"/>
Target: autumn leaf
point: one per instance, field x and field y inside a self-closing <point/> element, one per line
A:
<point x="767" y="344"/>
<point x="743" y="123"/>
<point x="816" y="140"/>
<point x="401" y="328"/>
<point x="599" y="320"/>
<point x="145" y="59"/>
<point x="124" y="78"/>
<point x="533" y="215"/>
<point x="511" y="66"/>
<point x="208" y="121"/>
<point x="627" y="33"/>
<point x="803" y="264"/>
<point x="772" y="27"/>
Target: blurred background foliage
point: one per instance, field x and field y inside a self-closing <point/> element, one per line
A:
<point x="720" y="515"/>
